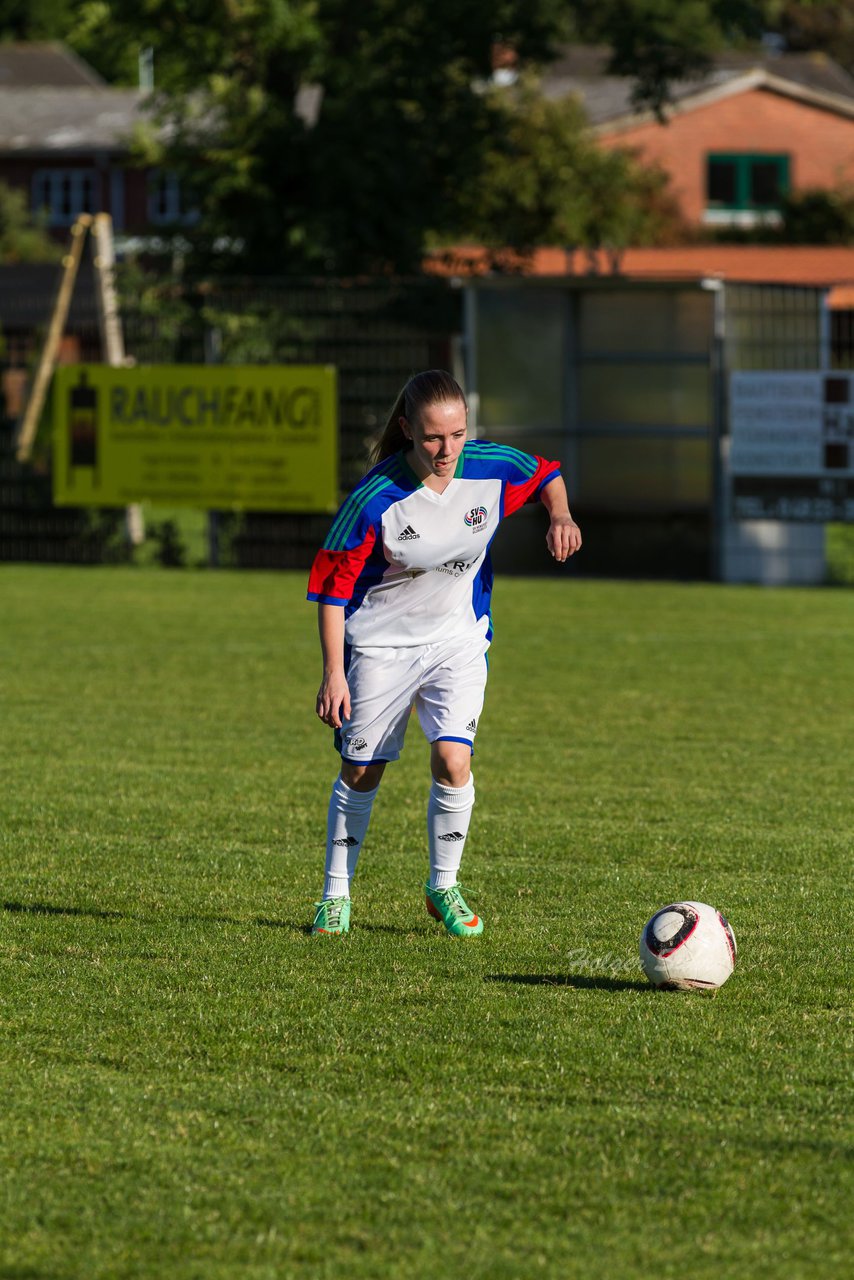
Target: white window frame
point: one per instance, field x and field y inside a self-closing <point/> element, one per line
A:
<point x="65" y="193"/>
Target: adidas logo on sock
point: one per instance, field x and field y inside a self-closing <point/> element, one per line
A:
<point x="453" y="835"/>
<point x="471" y="726"/>
<point x="408" y="534"/>
<point x="346" y="840"/>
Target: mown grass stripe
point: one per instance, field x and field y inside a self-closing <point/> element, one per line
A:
<point x="165" y="1055"/>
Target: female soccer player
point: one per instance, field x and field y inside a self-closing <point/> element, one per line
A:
<point x="403" y="583"/>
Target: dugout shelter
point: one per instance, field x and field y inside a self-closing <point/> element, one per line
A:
<point x="626" y="383"/>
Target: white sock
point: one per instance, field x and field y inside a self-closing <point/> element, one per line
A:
<point x="346" y="826"/>
<point x="448" y="817"/>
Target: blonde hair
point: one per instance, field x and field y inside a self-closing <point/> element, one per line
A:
<point x="433" y="386"/>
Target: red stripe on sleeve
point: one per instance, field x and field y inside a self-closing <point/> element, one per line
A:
<point x="516" y="495"/>
<point x="334" y="573"/>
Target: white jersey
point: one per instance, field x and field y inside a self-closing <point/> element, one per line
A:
<point x="412" y="566"/>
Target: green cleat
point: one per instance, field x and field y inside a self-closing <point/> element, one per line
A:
<point x="449" y="906"/>
<point x="333" y="916"/>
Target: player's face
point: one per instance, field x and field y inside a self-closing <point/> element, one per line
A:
<point x="437" y="438"/>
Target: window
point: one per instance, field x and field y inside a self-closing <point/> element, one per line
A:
<point x="64" y="194"/>
<point x="721" y="183"/>
<point x="165" y="205"/>
<point x="745" y="189"/>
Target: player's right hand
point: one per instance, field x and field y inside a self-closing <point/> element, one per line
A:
<point x="333" y="699"/>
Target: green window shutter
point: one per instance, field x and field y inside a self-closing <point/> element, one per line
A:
<point x="745" y="181"/>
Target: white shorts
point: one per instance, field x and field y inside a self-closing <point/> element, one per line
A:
<point x="445" y="682"/>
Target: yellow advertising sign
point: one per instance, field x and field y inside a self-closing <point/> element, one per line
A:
<point x="246" y="437"/>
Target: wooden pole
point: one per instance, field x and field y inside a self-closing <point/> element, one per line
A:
<point x="112" y="338"/>
<point x="47" y="363"/>
<point x="109" y="322"/>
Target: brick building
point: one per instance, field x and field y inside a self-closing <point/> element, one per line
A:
<point x="735" y="143"/>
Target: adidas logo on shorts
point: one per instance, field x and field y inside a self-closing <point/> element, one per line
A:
<point x="408" y="535"/>
<point x="471" y="726"/>
<point x="453" y="835"/>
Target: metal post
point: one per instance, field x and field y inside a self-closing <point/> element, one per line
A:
<point x="824" y="335"/>
<point x="213" y="355"/>
<point x="571" y="413"/>
<point x="720" y="475"/>
<point x="470" y="352"/>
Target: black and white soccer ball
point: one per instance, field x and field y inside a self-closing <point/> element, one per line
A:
<point x="687" y="946"/>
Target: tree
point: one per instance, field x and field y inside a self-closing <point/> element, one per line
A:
<point x="818" y="217"/>
<point x="814" y="216"/>
<point x="656" y="42"/>
<point x="398" y="135"/>
<point x="21" y="238"/>
<point x="546" y="182"/>
<point x="402" y="133"/>
<point x="828" y="28"/>
<point x="36" y="19"/>
<point x="336" y="135"/>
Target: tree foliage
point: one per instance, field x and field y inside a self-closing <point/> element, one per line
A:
<point x="657" y="42"/>
<point x="817" y="26"/>
<point x="330" y="135"/>
<point x="815" y="216"/>
<point x="819" y="217"/>
<point x="545" y="181"/>
<point x="36" y="19"/>
<point x="21" y="238"/>
<point x="398" y="133"/>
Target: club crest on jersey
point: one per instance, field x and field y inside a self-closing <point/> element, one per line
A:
<point x="476" y="518"/>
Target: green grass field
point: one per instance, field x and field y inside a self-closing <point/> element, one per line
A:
<point x="192" y="1087"/>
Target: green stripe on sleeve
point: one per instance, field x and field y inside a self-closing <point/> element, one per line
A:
<point x="354" y="506"/>
<point x="506" y="453"/>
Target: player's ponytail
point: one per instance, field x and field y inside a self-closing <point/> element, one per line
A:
<point x="434" y="386"/>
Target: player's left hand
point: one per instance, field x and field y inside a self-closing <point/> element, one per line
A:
<point x="563" y="538"/>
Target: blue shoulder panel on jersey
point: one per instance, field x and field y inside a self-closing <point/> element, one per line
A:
<point x="481" y="590"/>
<point x="485" y="460"/>
<point x="388" y="475"/>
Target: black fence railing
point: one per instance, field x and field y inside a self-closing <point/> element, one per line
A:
<point x="376" y="333"/>
<point x="33" y="529"/>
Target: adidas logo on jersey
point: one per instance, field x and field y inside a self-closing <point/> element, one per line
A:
<point x="408" y="535"/>
<point x="453" y="835"/>
<point x="471" y="726"/>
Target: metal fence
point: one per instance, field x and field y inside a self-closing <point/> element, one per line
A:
<point x="625" y="382"/>
<point x="771" y="326"/>
<point x="841" y="339"/>
<point x="376" y="333"/>
<point x="615" y="379"/>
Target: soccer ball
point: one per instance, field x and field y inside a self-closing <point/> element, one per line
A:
<point x="687" y="946"/>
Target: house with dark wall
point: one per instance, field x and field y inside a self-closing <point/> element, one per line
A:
<point x="65" y="139"/>
<point x="735" y="143"/>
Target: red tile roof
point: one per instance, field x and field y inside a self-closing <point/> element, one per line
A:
<point x="821" y="266"/>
